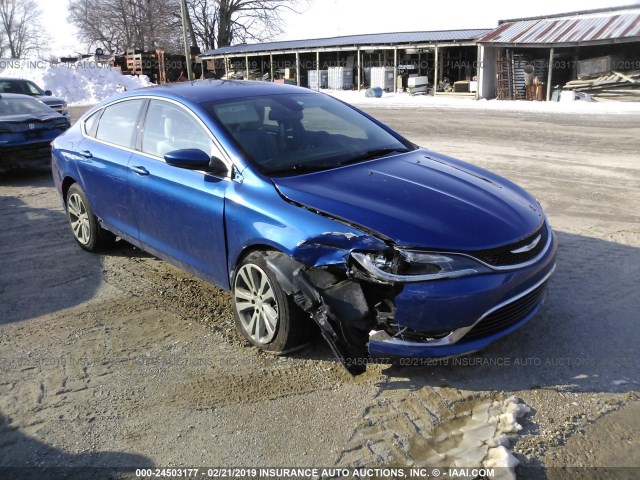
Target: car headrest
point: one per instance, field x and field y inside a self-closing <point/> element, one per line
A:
<point x="282" y="113"/>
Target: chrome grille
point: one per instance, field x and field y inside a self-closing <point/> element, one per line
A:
<point x="504" y="256"/>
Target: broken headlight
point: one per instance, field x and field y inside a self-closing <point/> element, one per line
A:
<point x="412" y="266"/>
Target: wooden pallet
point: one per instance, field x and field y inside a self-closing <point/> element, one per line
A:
<point x="621" y="86"/>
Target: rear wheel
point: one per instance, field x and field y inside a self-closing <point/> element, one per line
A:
<point x="264" y="314"/>
<point x="84" y="225"/>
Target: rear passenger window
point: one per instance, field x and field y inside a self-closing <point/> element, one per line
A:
<point x="118" y="122"/>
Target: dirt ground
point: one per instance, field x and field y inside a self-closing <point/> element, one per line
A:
<point x="122" y="360"/>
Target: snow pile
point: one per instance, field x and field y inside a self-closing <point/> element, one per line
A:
<point x="403" y="100"/>
<point x="83" y="82"/>
<point x="483" y="439"/>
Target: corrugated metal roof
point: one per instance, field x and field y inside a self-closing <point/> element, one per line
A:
<point x="599" y="27"/>
<point x="400" y="38"/>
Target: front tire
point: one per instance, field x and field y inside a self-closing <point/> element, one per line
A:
<point x="264" y="314"/>
<point x="84" y="224"/>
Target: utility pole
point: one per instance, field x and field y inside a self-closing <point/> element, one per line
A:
<point x="187" y="52"/>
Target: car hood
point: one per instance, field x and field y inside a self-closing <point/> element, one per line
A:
<point x="421" y="199"/>
<point x="48" y="99"/>
<point x="33" y="117"/>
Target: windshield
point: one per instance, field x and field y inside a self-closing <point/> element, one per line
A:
<point x="23" y="87"/>
<point x="292" y="134"/>
<point x="22" y="106"/>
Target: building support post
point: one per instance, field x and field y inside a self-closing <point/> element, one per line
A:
<point x="226" y="68"/>
<point x="246" y="65"/>
<point x="297" y="68"/>
<point x="318" y="70"/>
<point x="479" y="72"/>
<point x="436" y="68"/>
<point x="271" y="66"/>
<point x="395" y="69"/>
<point x="550" y="76"/>
<point x="359" y="77"/>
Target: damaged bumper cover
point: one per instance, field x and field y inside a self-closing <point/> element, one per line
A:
<point x="495" y="323"/>
<point x="466" y="310"/>
<point x="398" y="303"/>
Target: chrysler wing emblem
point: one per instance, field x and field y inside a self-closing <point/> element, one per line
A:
<point x="528" y="248"/>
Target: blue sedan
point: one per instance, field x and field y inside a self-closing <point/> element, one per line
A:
<point x="309" y="211"/>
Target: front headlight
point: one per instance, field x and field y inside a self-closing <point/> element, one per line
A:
<point x="65" y="108"/>
<point x="405" y="266"/>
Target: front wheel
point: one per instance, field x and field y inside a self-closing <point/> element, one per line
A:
<point x="84" y="225"/>
<point x="264" y="314"/>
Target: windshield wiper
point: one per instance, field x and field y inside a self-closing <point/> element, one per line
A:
<point x="373" y="154"/>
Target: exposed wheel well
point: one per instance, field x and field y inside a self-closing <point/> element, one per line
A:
<point x="245" y="253"/>
<point x="66" y="184"/>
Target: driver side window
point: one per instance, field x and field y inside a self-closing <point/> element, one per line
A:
<point x="169" y="127"/>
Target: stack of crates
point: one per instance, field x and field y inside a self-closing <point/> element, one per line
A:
<point x="313" y="79"/>
<point x="141" y="63"/>
<point x="382" y="77"/>
<point x="340" y="78"/>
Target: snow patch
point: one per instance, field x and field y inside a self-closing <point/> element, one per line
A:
<point x="405" y="100"/>
<point x="81" y="83"/>
<point x="481" y="437"/>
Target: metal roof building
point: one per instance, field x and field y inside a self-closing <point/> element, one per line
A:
<point x="427" y="49"/>
<point x="589" y="28"/>
<point x="555" y="44"/>
<point x="558" y="46"/>
<point x="353" y="42"/>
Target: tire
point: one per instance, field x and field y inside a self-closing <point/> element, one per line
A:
<point x="263" y="313"/>
<point x="84" y="224"/>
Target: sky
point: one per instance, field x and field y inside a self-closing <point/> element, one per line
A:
<point x="328" y="18"/>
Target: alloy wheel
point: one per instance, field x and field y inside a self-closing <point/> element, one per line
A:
<point x="79" y="219"/>
<point x="256" y="304"/>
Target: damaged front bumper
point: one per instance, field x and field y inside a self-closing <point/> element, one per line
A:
<point x="493" y="324"/>
<point x="365" y="312"/>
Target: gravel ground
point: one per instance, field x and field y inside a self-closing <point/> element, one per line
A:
<point x="122" y="360"/>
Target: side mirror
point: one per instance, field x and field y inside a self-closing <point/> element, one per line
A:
<point x="48" y="93"/>
<point x="196" y="159"/>
<point x="191" y="158"/>
<point x="218" y="167"/>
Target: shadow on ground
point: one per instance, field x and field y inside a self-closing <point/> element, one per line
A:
<point x="24" y="457"/>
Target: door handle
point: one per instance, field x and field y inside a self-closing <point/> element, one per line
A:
<point x="140" y="170"/>
<point x="86" y="154"/>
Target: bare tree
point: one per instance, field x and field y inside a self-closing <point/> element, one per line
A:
<point x="203" y="19"/>
<point x="3" y="41"/>
<point x="146" y="24"/>
<point x="20" y="30"/>
<point x="116" y="25"/>
<point x="218" y="23"/>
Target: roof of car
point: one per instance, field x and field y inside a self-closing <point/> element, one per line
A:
<point x="200" y="91"/>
